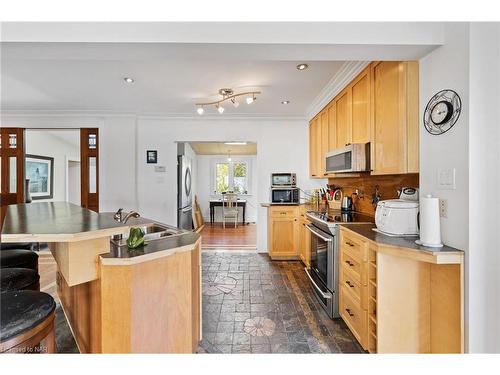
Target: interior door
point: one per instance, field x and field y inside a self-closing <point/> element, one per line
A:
<point x="89" y="164"/>
<point x="12" y="173"/>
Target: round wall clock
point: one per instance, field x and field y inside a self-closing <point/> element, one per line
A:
<point x="442" y="112"/>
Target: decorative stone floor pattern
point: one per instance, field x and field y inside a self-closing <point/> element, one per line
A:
<point x="251" y="304"/>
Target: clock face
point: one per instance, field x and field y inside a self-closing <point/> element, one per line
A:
<point x="441" y="112"/>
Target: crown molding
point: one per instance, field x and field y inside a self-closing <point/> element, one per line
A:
<point x="348" y="71"/>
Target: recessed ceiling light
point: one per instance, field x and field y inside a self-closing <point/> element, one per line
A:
<point x="302" y="66"/>
<point x="235" y="143"/>
<point x="128" y="80"/>
<point x="285" y="102"/>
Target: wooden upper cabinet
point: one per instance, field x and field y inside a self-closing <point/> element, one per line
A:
<point x="395" y="122"/>
<point x="314" y="147"/>
<point x="324" y="141"/>
<point x="332" y="132"/>
<point x="360" y="91"/>
<point x="343" y="119"/>
<point x="379" y="106"/>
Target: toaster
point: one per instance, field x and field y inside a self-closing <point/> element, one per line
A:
<point x="397" y="217"/>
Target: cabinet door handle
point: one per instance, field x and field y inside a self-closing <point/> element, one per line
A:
<point x="282" y="213"/>
<point x="349" y="284"/>
<point x="349" y="312"/>
<point x="349" y="243"/>
<point x="349" y="263"/>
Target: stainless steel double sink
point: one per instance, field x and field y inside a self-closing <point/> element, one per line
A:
<point x="153" y="231"/>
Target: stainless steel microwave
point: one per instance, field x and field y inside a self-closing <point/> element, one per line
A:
<point x="283" y="179"/>
<point x="285" y="195"/>
<point x="354" y="157"/>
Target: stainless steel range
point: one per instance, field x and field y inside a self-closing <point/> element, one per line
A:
<point x="324" y="271"/>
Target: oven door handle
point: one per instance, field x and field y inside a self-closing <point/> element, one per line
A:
<point x="323" y="294"/>
<point x="317" y="234"/>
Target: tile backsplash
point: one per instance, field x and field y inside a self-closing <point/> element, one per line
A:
<point x="366" y="184"/>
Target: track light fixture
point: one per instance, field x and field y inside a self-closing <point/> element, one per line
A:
<point x="228" y="95"/>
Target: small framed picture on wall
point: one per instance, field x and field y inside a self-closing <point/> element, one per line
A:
<point x="152" y="156"/>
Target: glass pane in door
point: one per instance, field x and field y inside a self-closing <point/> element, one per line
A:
<point x="12" y="174"/>
<point x="92" y="174"/>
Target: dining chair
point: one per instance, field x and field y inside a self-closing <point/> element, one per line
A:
<point x="229" y="208"/>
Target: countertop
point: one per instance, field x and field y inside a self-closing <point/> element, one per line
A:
<point x="121" y="255"/>
<point x="60" y="222"/>
<point x="445" y="253"/>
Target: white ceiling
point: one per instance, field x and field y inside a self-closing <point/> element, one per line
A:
<point x="55" y="66"/>
<point x="168" y="79"/>
<point x="220" y="148"/>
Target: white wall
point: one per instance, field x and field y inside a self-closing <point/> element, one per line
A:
<point x="54" y="144"/>
<point x="469" y="63"/>
<point x="448" y="67"/>
<point x="117" y="158"/>
<point x="484" y="202"/>
<point x="205" y="184"/>
<point x="281" y="146"/>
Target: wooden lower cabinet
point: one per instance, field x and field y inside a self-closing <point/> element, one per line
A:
<point x="283" y="232"/>
<point x="400" y="300"/>
<point x="304" y="239"/>
<point x="353" y="296"/>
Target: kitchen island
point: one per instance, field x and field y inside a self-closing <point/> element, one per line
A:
<point x="115" y="300"/>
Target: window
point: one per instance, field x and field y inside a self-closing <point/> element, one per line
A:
<point x="222" y="177"/>
<point x="240" y="178"/>
<point x="231" y="176"/>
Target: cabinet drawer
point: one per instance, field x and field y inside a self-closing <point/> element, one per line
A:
<point x="354" y="246"/>
<point x="352" y="265"/>
<point x="351" y="312"/>
<point x="350" y="282"/>
<point x="285" y="211"/>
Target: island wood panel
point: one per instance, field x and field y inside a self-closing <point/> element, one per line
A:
<point x="387" y="184"/>
<point x="78" y="261"/>
<point x="196" y="296"/>
<point x="82" y="307"/>
<point x="152" y="307"/>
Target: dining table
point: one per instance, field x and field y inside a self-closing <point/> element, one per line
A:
<point x="218" y="203"/>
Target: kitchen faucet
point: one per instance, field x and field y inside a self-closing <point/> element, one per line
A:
<point x="119" y="217"/>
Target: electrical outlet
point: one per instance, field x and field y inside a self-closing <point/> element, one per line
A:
<point x="443" y="207"/>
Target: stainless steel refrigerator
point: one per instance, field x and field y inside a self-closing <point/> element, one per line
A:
<point x="184" y="198"/>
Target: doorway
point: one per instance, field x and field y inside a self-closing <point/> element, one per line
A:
<point x="222" y="168"/>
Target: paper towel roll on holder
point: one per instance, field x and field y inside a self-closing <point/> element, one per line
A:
<point x="429" y="223"/>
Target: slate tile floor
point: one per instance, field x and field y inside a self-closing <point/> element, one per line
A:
<point x="254" y="305"/>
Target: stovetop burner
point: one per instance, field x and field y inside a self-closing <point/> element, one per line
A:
<point x="337" y="216"/>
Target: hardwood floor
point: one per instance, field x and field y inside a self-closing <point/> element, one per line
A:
<point x="243" y="237"/>
<point x="47" y="268"/>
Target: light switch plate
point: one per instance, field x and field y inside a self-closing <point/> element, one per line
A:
<point x="446" y="179"/>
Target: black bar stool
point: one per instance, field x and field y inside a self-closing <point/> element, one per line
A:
<point x="27" y="320"/>
<point x="19" y="259"/>
<point x="12" y="279"/>
<point x="20" y="245"/>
